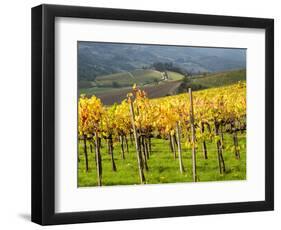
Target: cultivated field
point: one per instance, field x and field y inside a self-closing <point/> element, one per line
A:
<point x="180" y="138"/>
<point x="153" y="91"/>
<point x="113" y="88"/>
<point x="163" y="168"/>
<point x="220" y="79"/>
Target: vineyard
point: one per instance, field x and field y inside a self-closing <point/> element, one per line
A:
<point x="198" y="136"/>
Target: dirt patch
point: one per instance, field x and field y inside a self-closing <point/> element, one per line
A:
<point x="161" y="90"/>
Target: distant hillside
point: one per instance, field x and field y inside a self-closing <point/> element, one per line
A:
<point x="118" y="81"/>
<point x="213" y="80"/>
<point x="140" y="77"/>
<point x="154" y="83"/>
<point x="110" y="97"/>
<point x="220" y="79"/>
<point x="100" y="59"/>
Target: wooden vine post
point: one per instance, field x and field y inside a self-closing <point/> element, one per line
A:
<point x="149" y="145"/>
<point x="110" y="152"/>
<point x="143" y="152"/>
<point x="191" y="115"/>
<point x="146" y="147"/>
<point x="219" y="149"/>
<point x="98" y="159"/>
<point x="139" y="157"/>
<point x="126" y="142"/>
<point x="86" y="153"/>
<point x="173" y="146"/>
<point x="170" y="142"/>
<point x="236" y="146"/>
<point x="178" y="132"/>
<point x="235" y="141"/>
<point x="204" y="146"/>
<point x="121" y="139"/>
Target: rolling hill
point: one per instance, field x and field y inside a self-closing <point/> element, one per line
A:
<point x="110" y="93"/>
<point x="96" y="59"/>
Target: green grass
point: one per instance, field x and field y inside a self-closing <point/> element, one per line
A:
<point x="174" y="76"/>
<point x="104" y="84"/>
<point x="146" y="76"/>
<point x="117" y="81"/>
<point x="140" y="77"/>
<point x="123" y="79"/>
<point x="162" y="166"/>
<point x="220" y="79"/>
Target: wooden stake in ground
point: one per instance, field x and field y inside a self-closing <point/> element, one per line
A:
<point x="191" y="115"/>
<point x="131" y="138"/>
<point x="122" y="146"/>
<point x="91" y="149"/>
<point x="140" y="163"/>
<point x="219" y="149"/>
<point x="126" y="142"/>
<point x="173" y="146"/>
<point x="110" y="150"/>
<point x="170" y="142"/>
<point x="178" y="132"/>
<point x="143" y="151"/>
<point x="204" y="146"/>
<point x="149" y="145"/>
<point x="98" y="159"/>
<point x="236" y="146"/>
<point x="86" y="153"/>
<point x="235" y="141"/>
<point x="146" y="147"/>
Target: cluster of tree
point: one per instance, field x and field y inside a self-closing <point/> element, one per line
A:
<point x="187" y="83"/>
<point x="169" y="66"/>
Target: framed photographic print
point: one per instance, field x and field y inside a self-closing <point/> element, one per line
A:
<point x="142" y="114"/>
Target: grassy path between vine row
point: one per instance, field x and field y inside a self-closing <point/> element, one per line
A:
<point x="162" y="166"/>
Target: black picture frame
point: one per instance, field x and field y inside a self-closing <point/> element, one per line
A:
<point x="43" y="114"/>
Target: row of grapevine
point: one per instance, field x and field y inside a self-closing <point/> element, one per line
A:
<point x="193" y="118"/>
